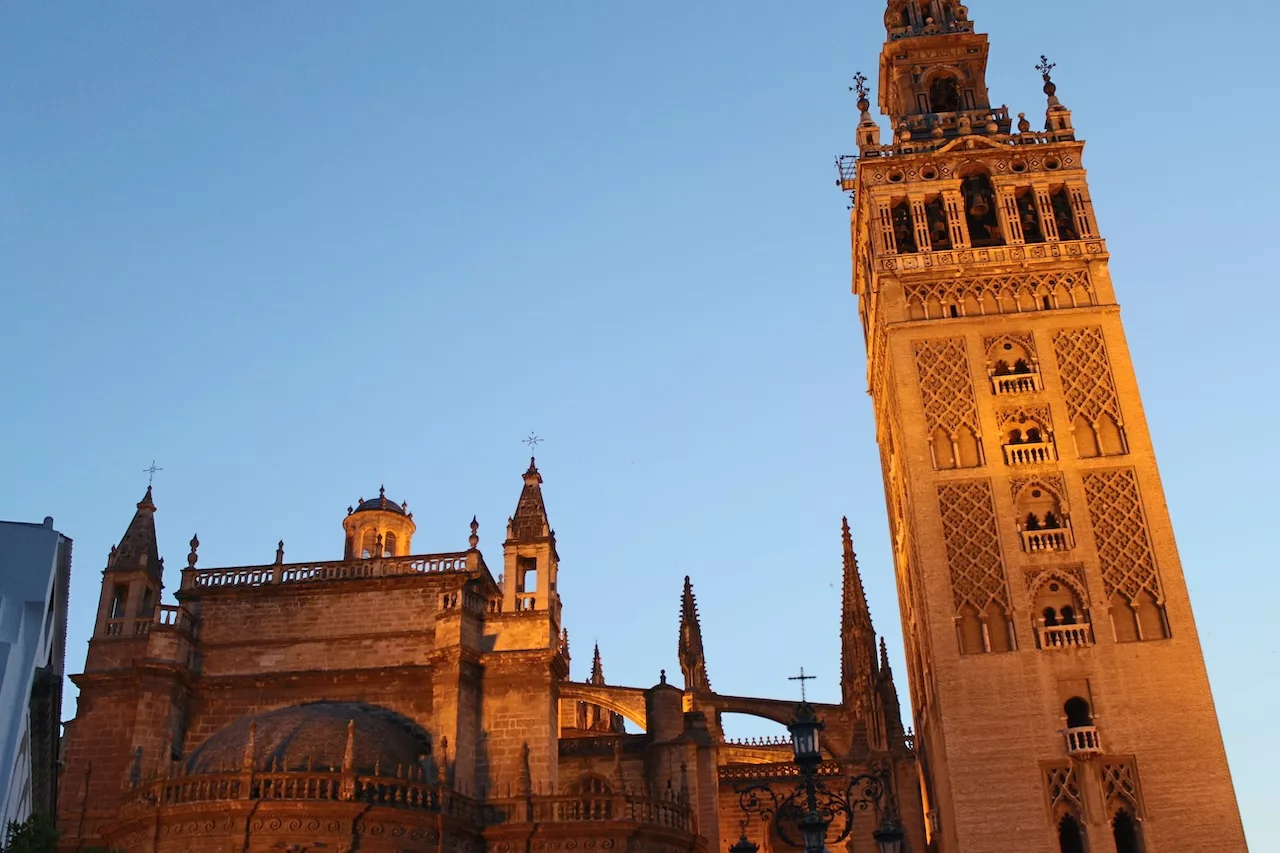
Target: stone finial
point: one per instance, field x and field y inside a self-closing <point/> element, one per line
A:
<point x="350" y="509"/>
<point x="378" y="546"/>
<point x="192" y="557"/>
<point x="662" y="676"/>
<point x="349" y="755"/>
<point x="247" y="763"/>
<point x="474" y="538"/>
<point x="1024" y="126"/>
<point x="524" y="785"/>
<point x="280" y="552"/>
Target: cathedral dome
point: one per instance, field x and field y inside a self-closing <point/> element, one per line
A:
<point x="381" y="502"/>
<point x="315" y="734"/>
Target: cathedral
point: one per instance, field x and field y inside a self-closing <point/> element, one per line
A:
<point x="392" y="700"/>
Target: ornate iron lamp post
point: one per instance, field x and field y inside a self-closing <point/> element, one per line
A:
<point x="812" y="806"/>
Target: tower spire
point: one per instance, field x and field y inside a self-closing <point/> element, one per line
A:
<point x="530" y="519"/>
<point x="693" y="659"/>
<point x="597" y="669"/>
<point x="857" y="636"/>
<point x="889" y="696"/>
<point x="138" y="548"/>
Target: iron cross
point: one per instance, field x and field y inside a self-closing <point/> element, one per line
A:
<point x="151" y="472"/>
<point x="533" y="441"/>
<point x="802" y="678"/>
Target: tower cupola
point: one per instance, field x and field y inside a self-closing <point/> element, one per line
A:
<point x="378" y="527"/>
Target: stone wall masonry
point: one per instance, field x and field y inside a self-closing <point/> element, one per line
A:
<point x="219" y="702"/>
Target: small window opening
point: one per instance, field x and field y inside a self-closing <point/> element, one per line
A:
<point x="526" y="574"/>
<point x="980" y="211"/>
<point x="939" y="232"/>
<point x="1029" y="217"/>
<point x="1062" y="216"/>
<point x="118" y="596"/>
<point x="148" y="604"/>
<point x="1077" y="711"/>
<point x="955" y="311"/>
<point x="944" y="94"/>
<point x="903" y="231"/>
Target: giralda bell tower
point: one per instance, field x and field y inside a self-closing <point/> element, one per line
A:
<point x="1060" y="695"/>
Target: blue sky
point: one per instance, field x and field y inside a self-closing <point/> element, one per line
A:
<point x="296" y="250"/>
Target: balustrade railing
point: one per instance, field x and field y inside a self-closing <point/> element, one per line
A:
<point x="775" y="740"/>
<point x="1057" y="539"/>
<point x="1015" y="383"/>
<point x="775" y="770"/>
<point x="1029" y="453"/>
<point x="666" y="812"/>
<point x="291" y="573"/>
<point x="410" y="793"/>
<point x="1064" y="636"/>
<point x="1083" y="740"/>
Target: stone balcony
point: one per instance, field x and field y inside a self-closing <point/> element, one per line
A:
<point x="1083" y="741"/>
<point x="1064" y="636"/>
<point x="1030" y="453"/>
<point x="1015" y="383"/>
<point x="1056" y="539"/>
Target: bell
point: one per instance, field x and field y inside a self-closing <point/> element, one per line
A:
<point x="980" y="207"/>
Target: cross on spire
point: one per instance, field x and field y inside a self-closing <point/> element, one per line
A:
<point x="802" y="678"/>
<point x="151" y="472"/>
<point x="533" y="441"/>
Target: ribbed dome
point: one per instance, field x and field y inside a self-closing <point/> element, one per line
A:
<point x="316" y="732"/>
<point x="381" y="502"/>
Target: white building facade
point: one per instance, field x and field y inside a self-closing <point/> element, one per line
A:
<point x="35" y="571"/>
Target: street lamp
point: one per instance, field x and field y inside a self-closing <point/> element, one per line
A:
<point x="812" y="807"/>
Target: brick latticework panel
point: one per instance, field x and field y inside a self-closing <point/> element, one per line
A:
<point x="1087" y="385"/>
<point x="945" y="385"/>
<point x="1120" y="785"/>
<point x="973" y="544"/>
<point x="1063" y="791"/>
<point x="1120" y="530"/>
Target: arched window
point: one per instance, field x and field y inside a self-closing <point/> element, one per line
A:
<point x="980" y="211"/>
<point x="148" y="603"/>
<point x="944" y="94"/>
<point x="1078" y="714"/>
<point x="971" y="642"/>
<point x="970" y="448"/>
<point x="1125" y="831"/>
<point x="1060" y="606"/>
<point x="1070" y="837"/>
<point x="998" y="638"/>
<point x="369" y="544"/>
<point x="389" y="545"/>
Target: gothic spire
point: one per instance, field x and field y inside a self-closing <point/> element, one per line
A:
<point x="693" y="660"/>
<point x="889" y="695"/>
<point x="857" y="636"/>
<point x="597" y="669"/>
<point x="138" y="548"/>
<point x="530" y="519"/>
